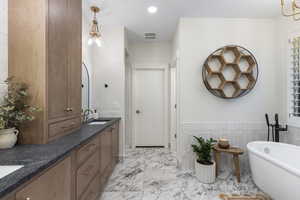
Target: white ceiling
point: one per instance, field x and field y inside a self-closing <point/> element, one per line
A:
<point x="133" y="13"/>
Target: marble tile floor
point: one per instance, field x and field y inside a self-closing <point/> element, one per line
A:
<point x="152" y="174"/>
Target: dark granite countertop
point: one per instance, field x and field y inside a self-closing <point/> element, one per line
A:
<point x="37" y="158"/>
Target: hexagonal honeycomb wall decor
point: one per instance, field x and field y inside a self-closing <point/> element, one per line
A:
<point x="236" y="70"/>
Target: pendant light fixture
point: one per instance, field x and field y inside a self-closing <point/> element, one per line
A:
<point x="294" y="10"/>
<point x="95" y="35"/>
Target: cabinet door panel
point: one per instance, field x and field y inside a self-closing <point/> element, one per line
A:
<point x="46" y="187"/>
<point x="87" y="150"/>
<point x="57" y="58"/>
<point x="106" y="150"/>
<point x="75" y="56"/>
<point x="93" y="191"/>
<point x="87" y="172"/>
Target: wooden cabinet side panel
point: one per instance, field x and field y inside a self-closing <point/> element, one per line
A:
<point x="101" y="186"/>
<point x="75" y="56"/>
<point x="116" y="143"/>
<point x="56" y="184"/>
<point x="106" y="151"/>
<point x="27" y="58"/>
<point x="73" y="175"/>
<point x="58" y="58"/>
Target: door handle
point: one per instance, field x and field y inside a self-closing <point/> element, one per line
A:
<point x="138" y="112"/>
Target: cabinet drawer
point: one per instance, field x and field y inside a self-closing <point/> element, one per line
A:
<point x="86" y="150"/>
<point x="62" y="128"/>
<point x="55" y="184"/>
<point x="87" y="172"/>
<point x="92" y="191"/>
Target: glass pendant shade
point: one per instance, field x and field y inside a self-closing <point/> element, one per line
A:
<point x="95" y="35"/>
<point x="95" y="40"/>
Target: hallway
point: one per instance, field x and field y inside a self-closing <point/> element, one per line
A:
<point x="151" y="174"/>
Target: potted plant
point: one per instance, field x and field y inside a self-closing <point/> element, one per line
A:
<point x="14" y="112"/>
<point x="205" y="167"/>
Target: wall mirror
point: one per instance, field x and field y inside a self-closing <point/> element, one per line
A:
<point x="86" y="86"/>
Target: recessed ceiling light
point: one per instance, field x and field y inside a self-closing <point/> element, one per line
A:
<point x="152" y="9"/>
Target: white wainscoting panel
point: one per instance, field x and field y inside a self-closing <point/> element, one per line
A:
<point x="292" y="136"/>
<point x="239" y="134"/>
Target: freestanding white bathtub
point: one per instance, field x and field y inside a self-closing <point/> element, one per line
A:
<point x="276" y="169"/>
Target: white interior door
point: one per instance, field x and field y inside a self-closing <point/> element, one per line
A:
<point x="150" y="107"/>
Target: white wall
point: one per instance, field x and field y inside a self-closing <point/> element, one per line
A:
<point x="201" y="113"/>
<point x="3" y="45"/>
<point x="108" y="64"/>
<point x="150" y="53"/>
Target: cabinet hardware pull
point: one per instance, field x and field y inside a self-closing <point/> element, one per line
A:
<point x="69" y="110"/>
<point x="72" y="124"/>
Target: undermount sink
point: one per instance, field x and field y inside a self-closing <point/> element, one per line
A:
<point x="98" y="123"/>
<point x="6" y="170"/>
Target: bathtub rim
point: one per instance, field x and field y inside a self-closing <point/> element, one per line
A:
<point x="274" y="161"/>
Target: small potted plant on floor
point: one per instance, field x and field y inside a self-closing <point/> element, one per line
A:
<point x="205" y="167"/>
<point x="14" y="112"/>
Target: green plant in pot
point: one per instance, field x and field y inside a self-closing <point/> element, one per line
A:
<point x="205" y="167"/>
<point x="14" y="112"/>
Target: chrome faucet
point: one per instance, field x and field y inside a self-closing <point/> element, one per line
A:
<point x="86" y="114"/>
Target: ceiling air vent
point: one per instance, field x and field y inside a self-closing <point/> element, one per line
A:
<point x="150" y="36"/>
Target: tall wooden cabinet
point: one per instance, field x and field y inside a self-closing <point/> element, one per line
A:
<point x="45" y="51"/>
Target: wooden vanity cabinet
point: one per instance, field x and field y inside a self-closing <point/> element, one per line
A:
<point x="80" y="176"/>
<point x="44" y="51"/>
<point x="54" y="184"/>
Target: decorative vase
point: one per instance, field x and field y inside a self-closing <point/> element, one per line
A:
<point x="8" y="138"/>
<point x="205" y="173"/>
